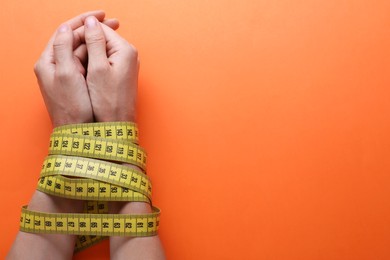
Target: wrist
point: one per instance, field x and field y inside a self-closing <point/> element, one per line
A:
<point x="117" y="117"/>
<point x="57" y="123"/>
<point x="47" y="203"/>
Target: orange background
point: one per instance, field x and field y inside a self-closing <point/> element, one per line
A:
<point x="266" y="122"/>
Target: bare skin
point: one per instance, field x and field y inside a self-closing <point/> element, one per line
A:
<point x="112" y="81"/>
<point x="77" y="91"/>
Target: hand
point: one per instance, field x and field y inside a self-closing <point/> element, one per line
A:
<point x="112" y="73"/>
<point x="61" y="73"/>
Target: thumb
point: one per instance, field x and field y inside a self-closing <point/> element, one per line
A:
<point x="63" y="46"/>
<point x="96" y="43"/>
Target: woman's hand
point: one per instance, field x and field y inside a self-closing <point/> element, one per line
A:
<point x="61" y="72"/>
<point x="112" y="75"/>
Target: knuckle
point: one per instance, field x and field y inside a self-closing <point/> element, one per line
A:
<point x="62" y="41"/>
<point x="131" y="52"/>
<point x="95" y="39"/>
<point x="59" y="46"/>
<point x="76" y="36"/>
<point x="37" y="67"/>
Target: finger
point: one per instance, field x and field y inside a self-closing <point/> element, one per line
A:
<point x="79" y="20"/>
<point x="81" y="54"/>
<point x="80" y="49"/>
<point x="96" y="42"/>
<point x="80" y="67"/>
<point x="116" y="43"/>
<point x="113" y="23"/>
<point x="74" y="23"/>
<point x="111" y="34"/>
<point x="79" y="33"/>
<point x="63" y="47"/>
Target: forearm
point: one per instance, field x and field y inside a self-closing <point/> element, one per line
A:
<point x="46" y="246"/>
<point x="134" y="247"/>
<point x="85" y="44"/>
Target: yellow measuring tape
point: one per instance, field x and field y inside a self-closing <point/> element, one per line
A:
<point x="75" y="169"/>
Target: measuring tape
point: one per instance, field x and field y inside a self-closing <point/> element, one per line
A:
<point x="114" y="130"/>
<point x="70" y="172"/>
<point x="91" y="224"/>
<point x="99" y="148"/>
<point x="105" y="180"/>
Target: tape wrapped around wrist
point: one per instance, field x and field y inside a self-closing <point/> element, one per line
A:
<point x="80" y="166"/>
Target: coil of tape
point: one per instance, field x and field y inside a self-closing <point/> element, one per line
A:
<point x="90" y="224"/>
<point x="115" y="130"/>
<point x="99" y="148"/>
<point x="85" y="189"/>
<point x="105" y="173"/>
<point x="74" y="169"/>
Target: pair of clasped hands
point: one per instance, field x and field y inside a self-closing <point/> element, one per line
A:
<point x="88" y="73"/>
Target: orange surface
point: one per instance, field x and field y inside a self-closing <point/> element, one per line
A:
<point x="267" y="122"/>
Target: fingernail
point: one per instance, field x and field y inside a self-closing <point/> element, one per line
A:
<point x="63" y="28"/>
<point x="90" y="22"/>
